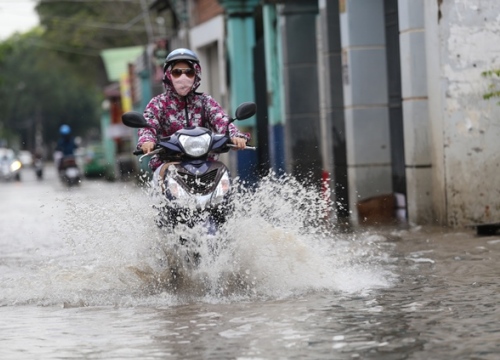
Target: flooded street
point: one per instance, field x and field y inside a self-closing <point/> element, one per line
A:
<point x="81" y="268"/>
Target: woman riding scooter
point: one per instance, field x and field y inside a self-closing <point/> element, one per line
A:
<point x="181" y="106"/>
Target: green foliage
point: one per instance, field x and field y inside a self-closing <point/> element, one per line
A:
<point x="493" y="88"/>
<point x="38" y="87"/>
<point x="78" y="31"/>
<point x="55" y="74"/>
<point x="5" y="50"/>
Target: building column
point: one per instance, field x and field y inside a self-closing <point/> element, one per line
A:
<point x="301" y="87"/>
<point x="333" y="141"/>
<point x="415" y="111"/>
<point x="274" y="86"/>
<point x="365" y="100"/>
<point x="240" y="29"/>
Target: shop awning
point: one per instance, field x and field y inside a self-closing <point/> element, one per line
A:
<point x="116" y="60"/>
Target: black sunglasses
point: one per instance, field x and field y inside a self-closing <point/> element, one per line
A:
<point x="178" y="72"/>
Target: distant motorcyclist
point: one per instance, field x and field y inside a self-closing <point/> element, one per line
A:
<point x="181" y="106"/>
<point x="66" y="145"/>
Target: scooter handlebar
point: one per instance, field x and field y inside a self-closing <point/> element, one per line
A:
<point x="140" y="152"/>
<point x="245" y="148"/>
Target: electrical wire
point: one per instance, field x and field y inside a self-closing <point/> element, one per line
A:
<point x="112" y="26"/>
<point x="56" y="47"/>
<point x="72" y="1"/>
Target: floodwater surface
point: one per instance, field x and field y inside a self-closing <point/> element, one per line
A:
<point x="84" y="275"/>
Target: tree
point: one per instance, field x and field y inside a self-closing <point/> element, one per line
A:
<point x="55" y="73"/>
<point x="79" y="30"/>
<point x="40" y="90"/>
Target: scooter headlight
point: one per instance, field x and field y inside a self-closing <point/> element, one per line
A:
<point x="195" y="145"/>
<point x="222" y="189"/>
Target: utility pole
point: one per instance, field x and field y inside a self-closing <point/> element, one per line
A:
<point x="147" y="21"/>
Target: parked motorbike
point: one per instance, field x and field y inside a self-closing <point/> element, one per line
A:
<point x="195" y="189"/>
<point x="69" y="172"/>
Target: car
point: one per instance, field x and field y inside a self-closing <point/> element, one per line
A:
<point x="26" y="158"/>
<point x="10" y="166"/>
<point x="95" y="164"/>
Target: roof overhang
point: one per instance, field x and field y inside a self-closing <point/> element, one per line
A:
<point x="116" y="60"/>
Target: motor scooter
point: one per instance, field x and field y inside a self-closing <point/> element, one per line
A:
<point x="194" y="188"/>
<point x="69" y="172"/>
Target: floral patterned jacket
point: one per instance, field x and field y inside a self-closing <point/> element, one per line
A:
<point x="169" y="112"/>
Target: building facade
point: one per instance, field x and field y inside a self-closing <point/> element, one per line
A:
<point x="383" y="97"/>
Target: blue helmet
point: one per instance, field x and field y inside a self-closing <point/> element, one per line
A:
<point x="64" y="129"/>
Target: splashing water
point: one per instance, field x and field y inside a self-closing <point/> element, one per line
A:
<point x="274" y="244"/>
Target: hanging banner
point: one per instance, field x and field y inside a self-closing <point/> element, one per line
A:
<point x="125" y="92"/>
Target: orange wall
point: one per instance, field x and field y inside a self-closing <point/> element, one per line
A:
<point x="206" y="9"/>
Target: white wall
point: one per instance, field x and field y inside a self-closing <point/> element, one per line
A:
<point x="462" y="42"/>
<point x="203" y="39"/>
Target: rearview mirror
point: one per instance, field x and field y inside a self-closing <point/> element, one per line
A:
<point x="245" y="110"/>
<point x="134" y="119"/>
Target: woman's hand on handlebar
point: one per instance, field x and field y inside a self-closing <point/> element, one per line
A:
<point x="147" y="147"/>
<point x="239" y="143"/>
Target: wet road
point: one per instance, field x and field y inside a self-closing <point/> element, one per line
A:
<point x="77" y="269"/>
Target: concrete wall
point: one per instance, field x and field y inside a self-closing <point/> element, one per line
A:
<point x="205" y="39"/>
<point x="463" y="40"/>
